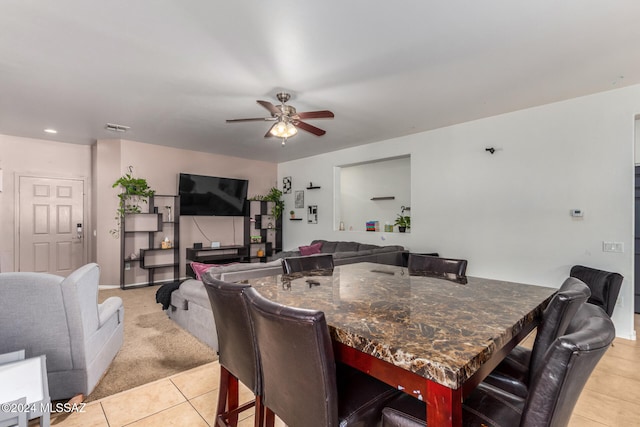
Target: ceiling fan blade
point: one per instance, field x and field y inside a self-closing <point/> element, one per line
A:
<point x="323" y="114"/>
<point x="309" y="128"/>
<point x="254" y="119"/>
<point x="269" y="106"/>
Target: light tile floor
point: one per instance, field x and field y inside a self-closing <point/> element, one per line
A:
<point x="611" y="397"/>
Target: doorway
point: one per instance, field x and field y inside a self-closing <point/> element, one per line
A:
<point x="636" y="245"/>
<point x="50" y="225"/>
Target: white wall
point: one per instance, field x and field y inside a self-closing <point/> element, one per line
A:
<point x="22" y="156"/>
<point x="360" y="183"/>
<point x="508" y="212"/>
<point x="637" y="142"/>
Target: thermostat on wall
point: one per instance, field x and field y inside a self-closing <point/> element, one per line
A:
<point x="576" y="212"/>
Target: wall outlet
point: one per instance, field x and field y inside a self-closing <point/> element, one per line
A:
<point x="127" y="266"/>
<point x="613" y="247"/>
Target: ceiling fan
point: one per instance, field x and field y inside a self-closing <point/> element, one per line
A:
<point x="287" y="119"/>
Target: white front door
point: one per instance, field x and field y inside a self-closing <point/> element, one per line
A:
<point x="51" y="225"/>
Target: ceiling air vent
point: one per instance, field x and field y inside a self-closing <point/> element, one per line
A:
<point x="116" y="128"/>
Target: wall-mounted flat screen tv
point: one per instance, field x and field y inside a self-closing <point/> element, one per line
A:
<point x="211" y="195"/>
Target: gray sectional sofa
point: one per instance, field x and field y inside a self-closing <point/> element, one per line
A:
<point x="351" y="252"/>
<point x="190" y="306"/>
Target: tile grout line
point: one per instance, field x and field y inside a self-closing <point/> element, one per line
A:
<point x="157" y="412"/>
<point x="104" y="414"/>
<point x="191" y="404"/>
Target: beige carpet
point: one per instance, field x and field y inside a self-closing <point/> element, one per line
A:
<point x="154" y="346"/>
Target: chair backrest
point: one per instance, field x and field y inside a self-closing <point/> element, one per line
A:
<point x="31" y="303"/>
<point x="308" y="264"/>
<point x="236" y="339"/>
<point x="568" y="363"/>
<point x="298" y="364"/>
<point x="433" y="266"/>
<point x="605" y="285"/>
<point x="556" y="317"/>
<point x="80" y="296"/>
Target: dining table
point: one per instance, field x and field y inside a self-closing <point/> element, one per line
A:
<point x="432" y="338"/>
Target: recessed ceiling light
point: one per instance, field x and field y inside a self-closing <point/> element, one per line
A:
<point x="51" y="131"/>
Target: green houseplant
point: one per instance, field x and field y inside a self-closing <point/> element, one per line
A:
<point x="403" y="222"/>
<point x="134" y="191"/>
<point x="274" y="195"/>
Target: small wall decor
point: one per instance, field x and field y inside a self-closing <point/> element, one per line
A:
<point x="299" y="199"/>
<point x="286" y="185"/>
<point x="312" y="214"/>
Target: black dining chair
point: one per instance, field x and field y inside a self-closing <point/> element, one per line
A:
<point x="238" y="354"/>
<point x="434" y="266"/>
<point x="302" y="384"/>
<point x="554" y="389"/>
<point x="605" y="286"/>
<point x="308" y="264"/>
<point x="514" y="373"/>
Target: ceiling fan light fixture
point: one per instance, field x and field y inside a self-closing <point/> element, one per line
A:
<point x="286" y="119"/>
<point x="283" y="129"/>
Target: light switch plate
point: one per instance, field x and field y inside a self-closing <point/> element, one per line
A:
<point x="613" y="247"/>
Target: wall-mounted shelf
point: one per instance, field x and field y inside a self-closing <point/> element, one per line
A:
<point x="384" y="198"/>
<point x="295" y="219"/>
<point x="315" y="187"/>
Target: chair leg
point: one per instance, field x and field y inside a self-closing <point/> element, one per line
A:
<point x="259" y="413"/>
<point x="229" y="402"/>
<point x="269" y="417"/>
<point x="223" y="390"/>
<point x="45" y="420"/>
<point x="233" y="401"/>
<point x="228" y="399"/>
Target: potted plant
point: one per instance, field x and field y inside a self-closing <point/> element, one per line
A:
<point x="134" y="191"/>
<point x="292" y="213"/>
<point x="403" y="222"/>
<point x="274" y="195"/>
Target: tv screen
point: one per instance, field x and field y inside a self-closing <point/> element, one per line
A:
<point x="211" y="195"/>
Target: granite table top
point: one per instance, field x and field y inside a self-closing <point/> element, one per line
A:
<point x="438" y="329"/>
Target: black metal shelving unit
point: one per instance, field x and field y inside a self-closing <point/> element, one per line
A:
<point x="151" y="258"/>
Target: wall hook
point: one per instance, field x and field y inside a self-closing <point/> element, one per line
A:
<point x="490" y="149"/>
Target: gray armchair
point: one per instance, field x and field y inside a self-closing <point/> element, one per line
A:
<point x="61" y="318"/>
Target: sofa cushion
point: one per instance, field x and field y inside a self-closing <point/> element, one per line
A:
<point x="347" y="246"/>
<point x="351" y="254"/>
<point x="216" y="270"/>
<point x="366" y="247"/>
<point x="327" y="247"/>
<point x="194" y="291"/>
<point x="287" y="254"/>
<point x="390" y="248"/>
<point x="311" y="249"/>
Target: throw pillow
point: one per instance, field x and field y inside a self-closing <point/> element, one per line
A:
<point x="199" y="268"/>
<point x="311" y="249"/>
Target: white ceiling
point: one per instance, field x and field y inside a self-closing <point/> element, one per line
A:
<point x="175" y="70"/>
